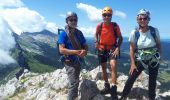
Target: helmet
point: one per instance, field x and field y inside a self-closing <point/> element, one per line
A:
<point x="144" y="12"/>
<point x="107" y="10"/>
<point x="69" y="14"/>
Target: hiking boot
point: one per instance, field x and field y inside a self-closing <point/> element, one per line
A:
<point x="113" y="92"/>
<point x="123" y="98"/>
<point x="106" y="89"/>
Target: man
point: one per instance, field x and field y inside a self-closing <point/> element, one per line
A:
<point x="145" y="50"/>
<point x="72" y="45"/>
<point x="108" y="41"/>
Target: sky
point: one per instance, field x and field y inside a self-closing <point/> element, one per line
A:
<point x="36" y="15"/>
<point x="89" y="13"/>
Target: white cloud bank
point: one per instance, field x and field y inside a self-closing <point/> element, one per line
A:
<point x="6" y="43"/>
<point x="11" y="3"/>
<point x="88" y="31"/>
<point x="18" y="18"/>
<point x="94" y="14"/>
<point x="119" y="14"/>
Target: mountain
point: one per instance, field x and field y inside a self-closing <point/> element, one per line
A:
<point x="38" y="51"/>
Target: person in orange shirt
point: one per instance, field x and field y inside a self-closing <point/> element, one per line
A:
<point x="108" y="40"/>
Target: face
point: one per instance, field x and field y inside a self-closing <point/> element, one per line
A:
<point x="72" y="22"/>
<point x="143" y="20"/>
<point x="107" y="17"/>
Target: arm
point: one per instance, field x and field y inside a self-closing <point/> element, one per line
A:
<point x="132" y="58"/>
<point x="66" y="51"/>
<point x="158" y="42"/>
<point x="132" y="54"/>
<point x="96" y="36"/>
<point x="120" y="40"/>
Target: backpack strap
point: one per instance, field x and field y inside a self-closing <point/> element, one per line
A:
<point x="115" y="29"/>
<point x="153" y="33"/>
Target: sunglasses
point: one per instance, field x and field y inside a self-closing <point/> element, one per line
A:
<point x="108" y="15"/>
<point x="142" y="19"/>
<point x="71" y="20"/>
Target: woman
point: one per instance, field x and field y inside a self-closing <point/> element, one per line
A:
<point x="145" y="38"/>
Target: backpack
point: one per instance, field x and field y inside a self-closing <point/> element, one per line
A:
<point x="137" y="35"/>
<point x="114" y="29"/>
<point x="58" y="52"/>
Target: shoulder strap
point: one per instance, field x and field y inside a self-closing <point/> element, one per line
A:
<point x="99" y="31"/>
<point x="153" y="33"/>
<point x="115" y="29"/>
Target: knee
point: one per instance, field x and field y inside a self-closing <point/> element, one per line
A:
<point x="113" y="66"/>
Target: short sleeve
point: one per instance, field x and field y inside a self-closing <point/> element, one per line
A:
<point x="132" y="36"/>
<point x="62" y="37"/>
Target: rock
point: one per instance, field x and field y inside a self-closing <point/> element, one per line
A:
<point x="89" y="91"/>
<point x="8" y="89"/>
<point x="53" y="86"/>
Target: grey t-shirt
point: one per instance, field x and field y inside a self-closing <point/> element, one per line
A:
<point x="145" y="40"/>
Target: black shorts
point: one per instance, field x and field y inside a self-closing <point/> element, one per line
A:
<point x="105" y="55"/>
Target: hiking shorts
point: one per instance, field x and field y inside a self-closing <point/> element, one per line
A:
<point x="105" y="55"/>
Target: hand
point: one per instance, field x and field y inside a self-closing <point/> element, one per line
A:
<point x="82" y="53"/>
<point x="132" y="69"/>
<point x="96" y="44"/>
<point x="116" y="52"/>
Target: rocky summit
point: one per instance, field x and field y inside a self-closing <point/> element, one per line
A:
<point x="53" y="86"/>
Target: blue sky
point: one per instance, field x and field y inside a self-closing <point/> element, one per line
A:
<point x="36" y="15"/>
<point x="53" y="10"/>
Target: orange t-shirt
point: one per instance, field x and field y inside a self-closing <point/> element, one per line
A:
<point x="107" y="37"/>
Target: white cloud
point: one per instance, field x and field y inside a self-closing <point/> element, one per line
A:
<point x="93" y="13"/>
<point x="88" y="31"/>
<point x="5" y="58"/>
<point x="119" y="14"/>
<point x="11" y="3"/>
<point x="6" y="42"/>
<point x="52" y="27"/>
<point x="24" y="20"/>
<point x="62" y="15"/>
<point x="18" y="19"/>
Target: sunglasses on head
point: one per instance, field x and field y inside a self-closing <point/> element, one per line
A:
<point x="108" y="15"/>
<point x="71" y="20"/>
<point x="143" y="18"/>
